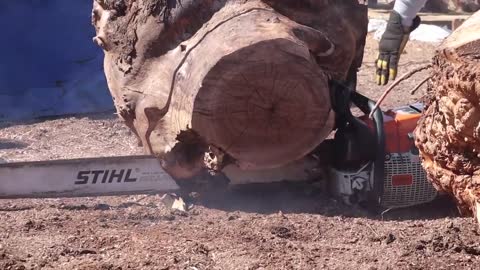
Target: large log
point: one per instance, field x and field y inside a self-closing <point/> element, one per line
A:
<point x="448" y="134"/>
<point x="248" y="78"/>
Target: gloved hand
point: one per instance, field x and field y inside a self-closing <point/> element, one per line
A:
<point x="391" y="47"/>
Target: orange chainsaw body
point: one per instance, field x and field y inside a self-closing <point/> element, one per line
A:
<point x="399" y="125"/>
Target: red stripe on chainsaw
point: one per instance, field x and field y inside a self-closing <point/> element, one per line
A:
<point x="402" y="180"/>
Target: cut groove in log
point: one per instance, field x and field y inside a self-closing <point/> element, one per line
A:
<point x="448" y="134"/>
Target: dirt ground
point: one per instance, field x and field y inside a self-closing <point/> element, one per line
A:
<point x="268" y="227"/>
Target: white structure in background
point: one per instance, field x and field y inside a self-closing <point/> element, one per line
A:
<point x="425" y="32"/>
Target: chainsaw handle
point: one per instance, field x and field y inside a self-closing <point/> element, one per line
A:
<point x="342" y="93"/>
<point x="379" y="165"/>
<point x="367" y="105"/>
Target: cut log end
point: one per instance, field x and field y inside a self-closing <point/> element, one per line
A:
<point x="264" y="104"/>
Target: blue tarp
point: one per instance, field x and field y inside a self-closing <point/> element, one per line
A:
<point x="48" y="62"/>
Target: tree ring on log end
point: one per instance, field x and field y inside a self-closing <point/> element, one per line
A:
<point x="265" y="104"/>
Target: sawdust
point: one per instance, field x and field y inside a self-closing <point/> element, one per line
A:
<point x="263" y="227"/>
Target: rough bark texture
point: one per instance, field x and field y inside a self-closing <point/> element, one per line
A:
<point x="452" y="5"/>
<point x="448" y="135"/>
<point x="249" y="78"/>
<point x="466" y="5"/>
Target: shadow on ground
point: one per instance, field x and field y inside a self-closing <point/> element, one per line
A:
<point x="11" y="144"/>
<point x="305" y="198"/>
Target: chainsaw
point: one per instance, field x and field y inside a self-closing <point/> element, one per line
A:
<point x="375" y="159"/>
<point x="372" y="160"/>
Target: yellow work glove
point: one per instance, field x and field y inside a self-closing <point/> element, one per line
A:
<point x="391" y="47"/>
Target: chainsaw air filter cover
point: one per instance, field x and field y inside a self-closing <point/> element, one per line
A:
<point x="406" y="182"/>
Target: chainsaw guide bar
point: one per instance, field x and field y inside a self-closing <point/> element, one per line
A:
<point x="104" y="176"/>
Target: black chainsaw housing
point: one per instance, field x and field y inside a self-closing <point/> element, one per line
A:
<point x="355" y="143"/>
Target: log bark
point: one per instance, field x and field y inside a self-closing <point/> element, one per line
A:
<point x="445" y="6"/>
<point x="466" y="5"/>
<point x="248" y="78"/>
<point x="448" y="134"/>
